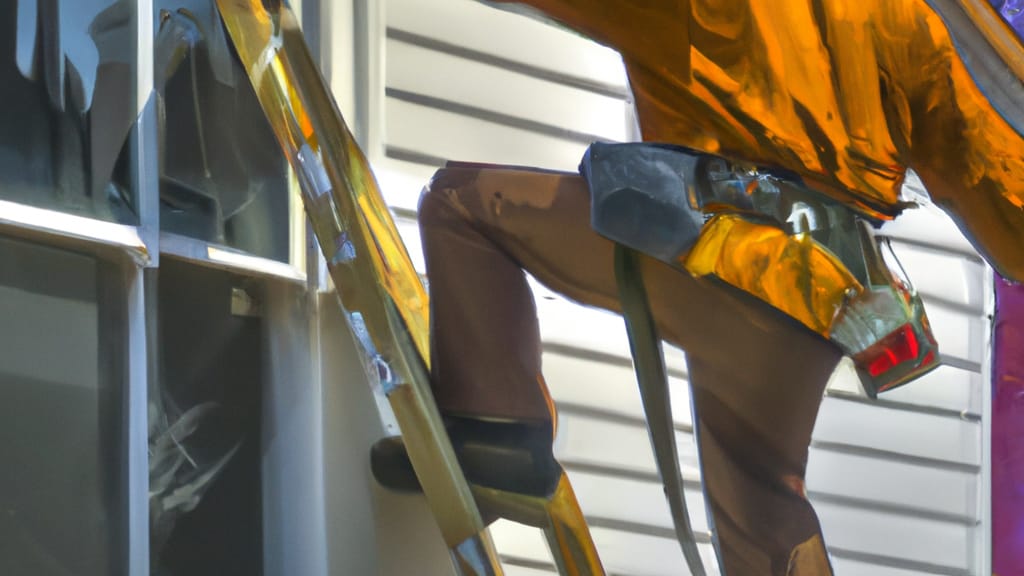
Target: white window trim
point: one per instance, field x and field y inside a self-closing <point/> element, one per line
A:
<point x="23" y="220"/>
<point x="983" y="539"/>
<point x="137" y="411"/>
<point x="218" y="256"/>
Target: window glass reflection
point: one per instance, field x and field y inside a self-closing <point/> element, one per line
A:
<point x="67" y="84"/>
<point x="61" y="489"/>
<point x="211" y="346"/>
<point x="222" y="175"/>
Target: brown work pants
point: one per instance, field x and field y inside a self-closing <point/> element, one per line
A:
<point x="757" y="376"/>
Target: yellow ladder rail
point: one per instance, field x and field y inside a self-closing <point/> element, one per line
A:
<point x="380" y="292"/>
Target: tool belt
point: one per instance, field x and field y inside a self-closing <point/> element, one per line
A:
<point x="766" y="233"/>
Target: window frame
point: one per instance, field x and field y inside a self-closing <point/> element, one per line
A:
<point x="131" y="254"/>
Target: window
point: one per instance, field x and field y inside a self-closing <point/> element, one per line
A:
<point x="152" y="260"/>
<point x="222" y="176"/>
<point x="67" y="81"/>
<point x="211" y="347"/>
<point x="62" y="383"/>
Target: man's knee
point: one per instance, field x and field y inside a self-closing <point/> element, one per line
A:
<point x="441" y="199"/>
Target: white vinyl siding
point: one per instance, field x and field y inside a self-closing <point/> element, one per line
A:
<point x="896" y="482"/>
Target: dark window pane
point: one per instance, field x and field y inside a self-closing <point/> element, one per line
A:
<point x="62" y="500"/>
<point x="211" y="353"/>
<point x="223" y="177"/>
<point x="67" y="84"/>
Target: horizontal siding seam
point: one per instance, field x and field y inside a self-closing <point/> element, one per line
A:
<point x="898" y="563"/>
<point x="705" y="538"/>
<point x="578" y="82"/>
<point x="530" y="563"/>
<point x="961" y="363"/>
<point x="814" y="495"/>
<point x="880" y="454"/>
<point x="934" y="248"/>
<point x="620" y="473"/>
<point x="611" y="416"/>
<point x="931" y="299"/>
<point x="494" y="117"/>
<point x="405" y="214"/>
<point x="964" y="415"/>
<point x="581" y="353"/>
<point x="414" y="157"/>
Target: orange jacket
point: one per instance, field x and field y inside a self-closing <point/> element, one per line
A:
<point x="846" y="93"/>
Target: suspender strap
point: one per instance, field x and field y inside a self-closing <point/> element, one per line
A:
<point x="653" y="380"/>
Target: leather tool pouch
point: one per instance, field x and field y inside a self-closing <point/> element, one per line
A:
<point x="644" y="196"/>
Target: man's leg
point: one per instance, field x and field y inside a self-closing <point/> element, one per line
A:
<point x="757" y="375"/>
